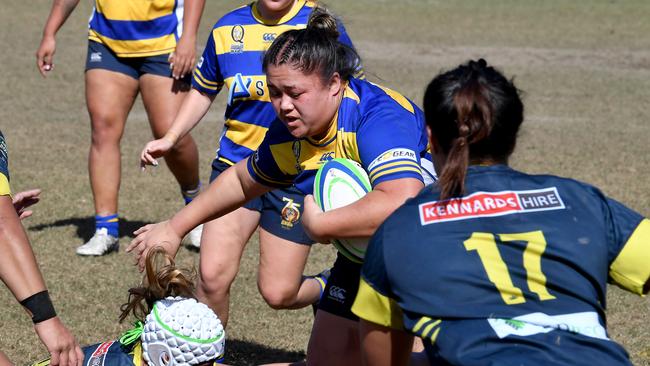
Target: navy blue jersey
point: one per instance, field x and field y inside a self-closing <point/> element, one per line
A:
<point x="108" y="354"/>
<point x="4" y="167"/>
<point x="514" y="272"/>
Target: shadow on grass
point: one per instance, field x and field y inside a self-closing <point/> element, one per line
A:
<point x="240" y="352"/>
<point x="86" y="226"/>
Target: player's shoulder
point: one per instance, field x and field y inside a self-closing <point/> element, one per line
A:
<point x="238" y="16"/>
<point x="372" y="97"/>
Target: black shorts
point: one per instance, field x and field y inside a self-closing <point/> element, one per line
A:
<point x="280" y="209"/>
<point x="342" y="287"/>
<point x="101" y="57"/>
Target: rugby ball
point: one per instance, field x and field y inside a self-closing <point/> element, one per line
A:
<point x="340" y="182"/>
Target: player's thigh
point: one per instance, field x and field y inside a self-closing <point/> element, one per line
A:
<point x="282" y="263"/>
<point x="109" y="96"/>
<point x="222" y="244"/>
<point x="162" y="95"/>
<point x="334" y="341"/>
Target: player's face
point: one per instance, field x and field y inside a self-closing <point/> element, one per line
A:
<point x="274" y="9"/>
<point x="304" y="103"/>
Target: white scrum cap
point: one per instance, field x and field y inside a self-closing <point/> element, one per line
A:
<point x="181" y="331"/>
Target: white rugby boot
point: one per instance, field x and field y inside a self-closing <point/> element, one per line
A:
<point x="101" y="243"/>
<point x="193" y="238"/>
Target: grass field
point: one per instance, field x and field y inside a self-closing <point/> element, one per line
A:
<point x="584" y="67"/>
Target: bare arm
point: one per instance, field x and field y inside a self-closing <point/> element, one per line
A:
<point x="19" y="271"/>
<point x="194" y="107"/>
<point x="381" y="346"/>
<point x="61" y="10"/>
<point x="361" y="218"/>
<point x="229" y="191"/>
<point x="184" y="56"/>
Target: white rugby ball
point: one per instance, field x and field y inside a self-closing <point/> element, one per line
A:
<point x="340" y="182"/>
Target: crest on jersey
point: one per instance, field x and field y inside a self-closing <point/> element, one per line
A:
<point x="237" y="33"/>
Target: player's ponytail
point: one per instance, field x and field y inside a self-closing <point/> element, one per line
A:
<point x="162" y="279"/>
<point x="474" y="114"/>
<point x="315" y="49"/>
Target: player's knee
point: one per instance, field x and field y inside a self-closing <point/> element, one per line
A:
<point x="216" y="283"/>
<point x="278" y="296"/>
<point x="104" y="133"/>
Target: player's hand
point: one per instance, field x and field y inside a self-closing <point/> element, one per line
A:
<point x="311" y="220"/>
<point x="45" y="55"/>
<point x="182" y="59"/>
<point x="60" y="343"/>
<point x="24" y="199"/>
<point x="153" y="235"/>
<point x="154" y="150"/>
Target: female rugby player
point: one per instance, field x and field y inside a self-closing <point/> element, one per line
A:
<point x="233" y="57"/>
<point x="322" y="112"/>
<point x="145" y="47"/>
<point x="172" y="327"/>
<point x="495" y="266"/>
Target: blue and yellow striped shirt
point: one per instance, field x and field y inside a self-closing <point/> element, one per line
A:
<point x="233" y="56"/>
<point x="374" y="126"/>
<point x="4" y="167"/>
<point x="137" y="28"/>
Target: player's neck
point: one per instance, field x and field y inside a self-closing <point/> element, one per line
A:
<point x="273" y="15"/>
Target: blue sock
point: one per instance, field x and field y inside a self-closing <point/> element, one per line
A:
<point x="110" y="223"/>
<point x="191" y="194"/>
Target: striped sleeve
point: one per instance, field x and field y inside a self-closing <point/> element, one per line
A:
<point x="629" y="249"/>
<point x="207" y="76"/>
<point x="4" y="168"/>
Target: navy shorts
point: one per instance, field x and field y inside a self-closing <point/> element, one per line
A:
<point x="280" y="209"/>
<point x="341" y="289"/>
<point x="101" y="57"/>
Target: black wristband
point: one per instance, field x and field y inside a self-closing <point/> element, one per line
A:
<point x="40" y="306"/>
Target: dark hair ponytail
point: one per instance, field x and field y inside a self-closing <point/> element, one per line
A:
<point x="474" y="113"/>
<point x="162" y="279"/>
<point x="315" y="48"/>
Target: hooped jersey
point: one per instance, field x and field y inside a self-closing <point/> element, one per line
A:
<point x="514" y="273"/>
<point x="374" y="126"/>
<point x="137" y="28"/>
<point x="233" y="57"/>
<point x="4" y="168"/>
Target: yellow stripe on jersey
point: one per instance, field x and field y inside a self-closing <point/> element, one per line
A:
<point x="265" y="177"/>
<point x="134" y="10"/>
<point x="399" y="98"/>
<point x="256" y="82"/>
<point x="5" y="189"/>
<point x="137" y="352"/>
<point x="374" y="307"/>
<point x="254" y="37"/>
<point x="386" y="166"/>
<point x="155" y="46"/>
<point x="346" y="145"/>
<point x="415" y="168"/>
<point x="349" y="93"/>
<point x="429" y="327"/>
<point x="631" y="268"/>
<point x="229" y="162"/>
<point x="205" y="82"/>
<point x="245" y="134"/>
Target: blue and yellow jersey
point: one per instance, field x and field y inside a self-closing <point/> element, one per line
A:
<point x="515" y="272"/>
<point x="233" y="56"/>
<point x="374" y="126"/>
<point x="4" y="167"/>
<point x="137" y="28"/>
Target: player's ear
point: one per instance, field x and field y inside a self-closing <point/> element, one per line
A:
<point x="335" y="84"/>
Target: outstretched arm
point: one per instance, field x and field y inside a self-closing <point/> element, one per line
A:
<point x="229" y="191"/>
<point x="61" y="9"/>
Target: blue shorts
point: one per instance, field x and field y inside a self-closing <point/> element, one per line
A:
<point x="341" y="289"/>
<point x="101" y="57"/>
<point x="280" y="209"/>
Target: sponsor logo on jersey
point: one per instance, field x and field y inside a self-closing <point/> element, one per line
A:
<point x="97" y="358"/>
<point x="585" y="323"/>
<point x="485" y="204"/>
<point x="326" y="157"/>
<point x="269" y="37"/>
<point x="239" y="87"/>
<point x="290" y="213"/>
<point x="393" y="154"/>
<point x="337" y="294"/>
